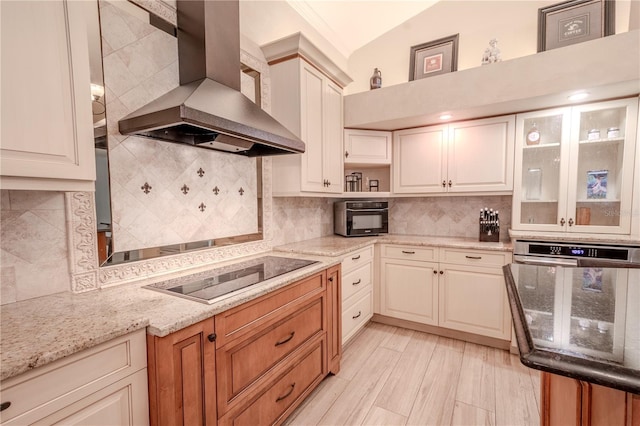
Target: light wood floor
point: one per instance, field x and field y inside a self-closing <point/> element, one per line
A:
<point x="393" y="376"/>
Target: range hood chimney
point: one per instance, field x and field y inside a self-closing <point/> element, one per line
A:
<point x="207" y="109"/>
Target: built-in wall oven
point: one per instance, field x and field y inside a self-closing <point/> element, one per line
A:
<point x="576" y="254"/>
<point x="360" y="218"/>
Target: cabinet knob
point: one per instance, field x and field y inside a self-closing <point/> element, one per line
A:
<point x="444" y="184"/>
<point x="212" y="337"/>
<point x="450" y="183"/>
<point x="346" y="154"/>
<point x="435" y="272"/>
<point x="330" y="279"/>
<point x="5" y="405"/>
<point x="441" y="272"/>
<point x="562" y="222"/>
<point x="570" y="221"/>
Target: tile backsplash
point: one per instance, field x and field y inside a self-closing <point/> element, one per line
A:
<point x="301" y="218"/>
<point x="33" y="245"/>
<point x="446" y="216"/>
<point x="163" y="193"/>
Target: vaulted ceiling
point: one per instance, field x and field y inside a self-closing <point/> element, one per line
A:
<point x="350" y="24"/>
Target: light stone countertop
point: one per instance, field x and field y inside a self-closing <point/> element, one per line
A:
<point x="337" y="246"/>
<point x="38" y="331"/>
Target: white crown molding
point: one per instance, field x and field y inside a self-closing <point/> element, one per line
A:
<point x="298" y="45"/>
<point x="309" y="14"/>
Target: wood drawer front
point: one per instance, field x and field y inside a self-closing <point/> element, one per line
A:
<point x="247" y="361"/>
<point x="410" y="253"/>
<point x="65" y="381"/>
<point x="268" y="309"/>
<point x="356" y="280"/>
<point x="474" y="257"/>
<point x="281" y="397"/>
<point x="354" y="316"/>
<point x="356" y="259"/>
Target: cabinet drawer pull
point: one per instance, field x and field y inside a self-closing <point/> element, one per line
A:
<point x="474" y="257"/>
<point x="357" y="316"/>
<point x="356" y="258"/>
<point x="291" y="387"/>
<point x="357" y="282"/>
<point x="408" y="252"/>
<point x="5" y="405"/>
<point x="285" y="340"/>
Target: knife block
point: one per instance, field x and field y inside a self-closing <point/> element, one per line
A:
<point x="487" y="236"/>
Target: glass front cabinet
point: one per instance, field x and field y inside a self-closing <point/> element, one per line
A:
<point x="574" y="168"/>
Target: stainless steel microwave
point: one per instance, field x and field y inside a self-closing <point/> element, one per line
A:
<point x="360" y="218"/>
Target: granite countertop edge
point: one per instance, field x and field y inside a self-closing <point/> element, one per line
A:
<point x="560" y="363"/>
<point x="62" y="324"/>
<point x="339" y="246"/>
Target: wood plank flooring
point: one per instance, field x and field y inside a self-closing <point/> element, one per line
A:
<point x="392" y="376"/>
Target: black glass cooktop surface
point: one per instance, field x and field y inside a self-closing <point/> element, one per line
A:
<point x="210" y="285"/>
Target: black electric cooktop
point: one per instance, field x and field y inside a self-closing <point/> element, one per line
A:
<point x="210" y="285"/>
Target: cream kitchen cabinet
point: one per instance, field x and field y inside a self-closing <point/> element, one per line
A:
<point x="367" y="147"/>
<point x="472" y="294"/>
<point x="47" y="128"/>
<point x="470" y="156"/>
<point x="357" y="291"/>
<point x="106" y="384"/>
<point x="309" y="104"/>
<point x="458" y="289"/>
<point x="409" y="283"/>
<point x="576" y="174"/>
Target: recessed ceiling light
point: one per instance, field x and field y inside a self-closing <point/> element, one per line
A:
<point x="445" y="116"/>
<point x="578" y="96"/>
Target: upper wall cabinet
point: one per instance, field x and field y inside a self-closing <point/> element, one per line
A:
<point x="465" y="157"/>
<point x="307" y="99"/>
<point x="367" y="147"/>
<point x="47" y="133"/>
<point x="574" y="168"/>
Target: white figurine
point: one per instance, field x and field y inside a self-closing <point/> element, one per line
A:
<point x="491" y="53"/>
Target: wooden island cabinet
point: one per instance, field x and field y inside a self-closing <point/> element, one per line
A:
<point x="252" y="364"/>
<point x="567" y="401"/>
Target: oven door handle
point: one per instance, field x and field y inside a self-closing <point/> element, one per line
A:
<point x="545" y="261"/>
<point x="367" y="210"/>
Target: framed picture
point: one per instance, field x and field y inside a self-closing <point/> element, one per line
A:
<point x="434" y="58"/>
<point x="574" y="21"/>
<point x="597" y="184"/>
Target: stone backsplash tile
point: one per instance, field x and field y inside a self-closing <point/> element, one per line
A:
<point x="33" y="245"/>
<point x="446" y="216"/>
<point x="140" y="64"/>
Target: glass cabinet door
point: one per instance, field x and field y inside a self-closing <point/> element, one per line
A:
<point x="574" y="168"/>
<point x="594" y="311"/>
<point x="601" y="171"/>
<point x="542" y="148"/>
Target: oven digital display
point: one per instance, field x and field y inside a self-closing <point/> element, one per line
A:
<point x="577" y="251"/>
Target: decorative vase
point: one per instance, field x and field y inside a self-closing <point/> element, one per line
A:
<point x="376" y="79"/>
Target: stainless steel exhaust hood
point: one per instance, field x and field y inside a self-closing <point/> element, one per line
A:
<point x="207" y="109"/>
